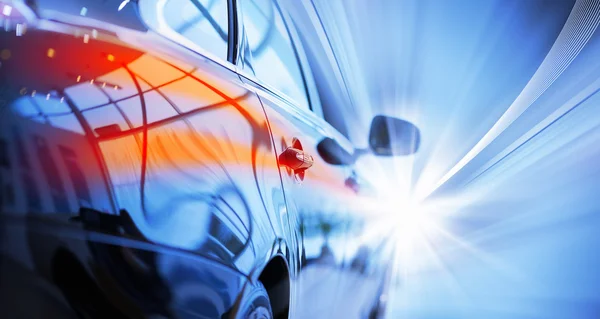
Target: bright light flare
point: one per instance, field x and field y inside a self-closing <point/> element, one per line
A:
<point x="20" y="29"/>
<point x="122" y="5"/>
<point x="7" y="10"/>
<point x="408" y="221"/>
<point x="412" y="226"/>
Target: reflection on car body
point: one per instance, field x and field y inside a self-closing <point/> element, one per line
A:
<point x="140" y="174"/>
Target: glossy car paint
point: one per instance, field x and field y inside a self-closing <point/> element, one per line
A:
<point x="141" y="179"/>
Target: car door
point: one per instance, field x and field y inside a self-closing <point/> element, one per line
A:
<point x="318" y="198"/>
<point x="155" y="160"/>
<point x="210" y="182"/>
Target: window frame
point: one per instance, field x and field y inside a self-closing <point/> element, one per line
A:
<point x="233" y="43"/>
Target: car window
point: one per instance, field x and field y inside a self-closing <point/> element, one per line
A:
<point x="193" y="23"/>
<point x="273" y="57"/>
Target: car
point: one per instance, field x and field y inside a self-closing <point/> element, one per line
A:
<point x="170" y="159"/>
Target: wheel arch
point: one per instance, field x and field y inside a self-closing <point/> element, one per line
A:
<point x="275" y="277"/>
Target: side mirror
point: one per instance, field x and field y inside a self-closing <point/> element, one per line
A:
<point x="390" y="136"/>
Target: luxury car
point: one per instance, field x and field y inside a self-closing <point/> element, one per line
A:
<point x="170" y="158"/>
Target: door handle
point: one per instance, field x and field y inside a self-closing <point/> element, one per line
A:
<point x="295" y="159"/>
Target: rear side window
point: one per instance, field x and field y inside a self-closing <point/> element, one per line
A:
<point x="273" y="57"/>
<point x="193" y="23"/>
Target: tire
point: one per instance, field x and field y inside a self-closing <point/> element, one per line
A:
<point x="258" y="305"/>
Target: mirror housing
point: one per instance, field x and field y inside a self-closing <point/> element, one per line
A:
<point x="391" y="136"/>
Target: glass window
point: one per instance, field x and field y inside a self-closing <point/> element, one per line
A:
<point x="193" y="23"/>
<point x="273" y="57"/>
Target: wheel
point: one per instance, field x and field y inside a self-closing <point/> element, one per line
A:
<point x="257" y="304"/>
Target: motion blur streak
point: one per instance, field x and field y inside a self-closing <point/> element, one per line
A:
<point x="497" y="215"/>
<point x="580" y="26"/>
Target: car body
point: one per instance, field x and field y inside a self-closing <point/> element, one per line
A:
<point x="142" y="177"/>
